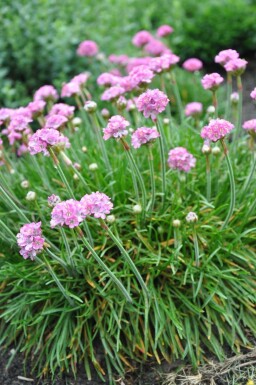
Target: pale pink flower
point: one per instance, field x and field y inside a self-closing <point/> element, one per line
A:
<point x="137" y="61"/>
<point x="70" y="89"/>
<point x="22" y="149"/>
<point x="250" y="125"/>
<point x="87" y="48"/>
<point x="144" y="135"/>
<point x="164" y="30"/>
<point x="47" y="93"/>
<point x="141" y="75"/>
<point x="63" y="110"/>
<point x="37" y="107"/>
<point x="141" y="38"/>
<point x="116" y="127"/>
<point x="217" y="129"/>
<point x="30" y="240"/>
<point x="163" y="63"/>
<point x="180" y="159"/>
<point x="252" y="95"/>
<point x="44" y="138"/>
<point x="80" y="79"/>
<point x="118" y="59"/>
<point x="236" y="66"/>
<point x="155" y="47"/>
<point x="67" y="213"/>
<point x="193" y="109"/>
<point x="151" y="103"/>
<point x="96" y="204"/>
<point x="53" y="200"/>
<point x="234" y="97"/>
<point x="106" y="79"/>
<point x="55" y="121"/>
<point x="212" y="81"/>
<point x="5" y="114"/>
<point x="127" y="82"/>
<point x="112" y="93"/>
<point x="225" y="56"/>
<point x="192" y="64"/>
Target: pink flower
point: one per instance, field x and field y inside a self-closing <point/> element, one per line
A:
<point x="70" y="89"/>
<point x="112" y="93"/>
<point x="152" y="103"/>
<point x="225" y="56"/>
<point x="30" y="240"/>
<point x="55" y="121"/>
<point x="236" y="66"/>
<point x="144" y="135"/>
<point x="96" y="204"/>
<point x="116" y="127"/>
<point x="68" y="213"/>
<point x="80" y="79"/>
<point x="5" y="114"/>
<point x="53" y="200"/>
<point x="44" y="138"/>
<point x="180" y="159"/>
<point x="37" y="107"/>
<point x="194" y="108"/>
<point x="87" y="48"/>
<point x="217" y="129"/>
<point x="155" y="47"/>
<point x="23" y="149"/>
<point x="137" y="61"/>
<point x="141" y="38"/>
<point x="119" y="59"/>
<point x="46" y="93"/>
<point x="192" y="65"/>
<point x="252" y="95"/>
<point x="212" y="81"/>
<point x="141" y="75"/>
<point x="106" y="79"/>
<point x="63" y="110"/>
<point x="163" y="63"/>
<point x="250" y="125"/>
<point x="164" y="30"/>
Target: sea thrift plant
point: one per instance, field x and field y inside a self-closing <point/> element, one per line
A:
<point x="164" y="30"/>
<point x="67" y="213"/>
<point x="144" y="135"/>
<point x="217" y="129"/>
<point x="151" y="103"/>
<point x="212" y="81"/>
<point x="236" y="66"/>
<point x="226" y="55"/>
<point x="87" y="48"/>
<point x="192" y="65"/>
<point x="141" y="38"/>
<point x="96" y="204"/>
<point x="250" y="125"/>
<point x="116" y="127"/>
<point x="180" y="159"/>
<point x="46" y="138"/>
<point x="47" y="93"/>
<point x="193" y="109"/>
<point x="30" y="240"/>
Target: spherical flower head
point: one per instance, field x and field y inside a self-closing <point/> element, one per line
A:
<point x="93" y="167"/>
<point x="180" y="159"/>
<point x="55" y="122"/>
<point x="155" y="47"/>
<point x="141" y="38"/>
<point x="191" y="217"/>
<point x="193" y="109"/>
<point x="70" y="89"/>
<point x="137" y="209"/>
<point x="250" y="126"/>
<point x="45" y="138"/>
<point x="47" y="93"/>
<point x="105" y="113"/>
<point x="37" y="107"/>
<point x="141" y="75"/>
<point x="25" y="184"/>
<point x="87" y="48"/>
<point x="176" y="223"/>
<point x="67" y="213"/>
<point x="63" y="110"/>
<point x="90" y="106"/>
<point x="234" y="97"/>
<point x="163" y="63"/>
<point x="217" y="129"/>
<point x="236" y="66"/>
<point x="5" y="115"/>
<point x="216" y="150"/>
<point x="164" y="30"/>
<point x="106" y="79"/>
<point x="53" y="200"/>
<point x="192" y="65"/>
<point x="151" y="103"/>
<point x="30" y="240"/>
<point x="80" y="79"/>
<point x="31" y="196"/>
<point x="116" y="127"/>
<point x="96" y="204"/>
<point x="137" y="61"/>
<point x="144" y="135"/>
<point x="121" y="60"/>
<point x="225" y="56"/>
<point x="112" y="93"/>
<point x="253" y="94"/>
<point x="212" y="81"/>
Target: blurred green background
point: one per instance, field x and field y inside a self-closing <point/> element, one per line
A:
<point x="38" y="38"/>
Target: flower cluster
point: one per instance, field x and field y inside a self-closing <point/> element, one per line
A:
<point x="225" y="56"/>
<point x="180" y="159"/>
<point x="96" y="204"/>
<point x="163" y="63"/>
<point x="112" y="93"/>
<point x="45" y="138"/>
<point x="141" y="38"/>
<point x="164" y="30"/>
<point x="236" y="66"/>
<point x="87" y="48"/>
<point x="192" y="65"/>
<point x="193" y="109"/>
<point x="250" y="125"/>
<point x="212" y="81"/>
<point x="116" y="127"/>
<point x="47" y="93"/>
<point x="144" y="135"/>
<point x="151" y="103"/>
<point x="216" y="129"/>
<point x="30" y="240"/>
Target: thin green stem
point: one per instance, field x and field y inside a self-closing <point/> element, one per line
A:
<point x="100" y="141"/>
<point x="196" y="246"/>
<point x="9" y="232"/>
<point x="208" y="179"/>
<point x="229" y="92"/>
<point x="57" y="259"/>
<point x="163" y="162"/>
<point x="177" y="97"/>
<point x="250" y="176"/>
<point x="13" y="205"/>
<point x="232" y="185"/>
<point x="67" y="247"/>
<point x="152" y="176"/>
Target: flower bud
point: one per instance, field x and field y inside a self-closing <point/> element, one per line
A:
<point x="77" y="121"/>
<point x="12" y="171"/>
<point x="105" y="113"/>
<point x="25" y="184"/>
<point x="77" y="166"/>
<point x="211" y="110"/>
<point x="234" y="98"/>
<point x="216" y="150"/>
<point x="53" y="200"/>
<point x="110" y="219"/>
<point x="176" y="223"/>
<point x="31" y="196"/>
<point x="137" y="209"/>
<point x="206" y="149"/>
<point x="75" y="177"/>
<point x="121" y="103"/>
<point x="93" y="167"/>
<point x="166" y="121"/>
<point x="191" y="217"/>
<point x="90" y="106"/>
<point x="84" y="149"/>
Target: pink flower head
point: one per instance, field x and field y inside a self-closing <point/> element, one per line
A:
<point x="106" y="79"/>
<point x="225" y="56"/>
<point x="121" y="60"/>
<point x="68" y="213"/>
<point x="62" y="109"/>
<point x="87" y="48"/>
<point x="250" y="125"/>
<point x="96" y="204"/>
<point x="164" y="30"/>
<point x="37" y="107"/>
<point x="141" y="38"/>
<point x="236" y="66"/>
<point x="55" y="121"/>
<point x="53" y="200"/>
<point x="112" y="93"/>
<point x="80" y="79"/>
<point x="192" y="65"/>
<point x="212" y="81"/>
<point x="252" y="94"/>
<point x="47" y="93"/>
<point x="30" y="240"/>
<point x="141" y="75"/>
<point x="155" y="47"/>
<point x="163" y="63"/>
<point x="137" y="61"/>
<point x="23" y="149"/>
<point x="193" y="109"/>
<point x="180" y="159"/>
<point x="217" y="129"/>
<point x="44" y="138"/>
<point x="70" y="89"/>
<point x="116" y="127"/>
<point x="144" y="135"/>
<point x="5" y="114"/>
<point x="152" y="103"/>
